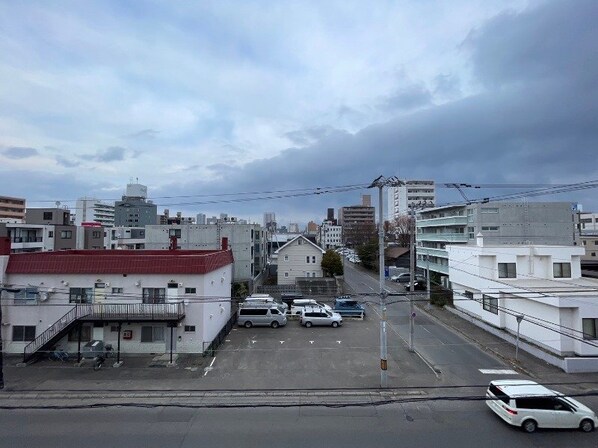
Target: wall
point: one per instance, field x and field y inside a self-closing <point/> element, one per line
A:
<point x="296" y="265"/>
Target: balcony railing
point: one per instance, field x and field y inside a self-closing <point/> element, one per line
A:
<point x="443" y="237"/>
<point x="133" y="311"/>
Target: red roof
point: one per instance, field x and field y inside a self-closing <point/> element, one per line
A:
<point x="119" y="262"/>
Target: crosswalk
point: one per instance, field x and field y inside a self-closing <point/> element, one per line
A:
<point x="498" y="372"/>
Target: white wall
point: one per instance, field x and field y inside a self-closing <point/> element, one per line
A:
<point x="296" y="263"/>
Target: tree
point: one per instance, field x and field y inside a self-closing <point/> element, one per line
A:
<point x="368" y="254"/>
<point x="398" y="230"/>
<point x="332" y="264"/>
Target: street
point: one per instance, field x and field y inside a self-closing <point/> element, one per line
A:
<point x="433" y="423"/>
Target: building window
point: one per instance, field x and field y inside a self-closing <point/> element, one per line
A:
<point x="189" y="328"/>
<point x="154" y="295"/>
<point x="286" y="258"/>
<point x="561" y="270"/>
<point x="50" y="234"/>
<point x="152" y="334"/>
<point x="117" y="290"/>
<point x="507" y="270"/>
<point x="286" y="274"/>
<point x="307" y="259"/>
<point x="490" y="228"/>
<point x="66" y="234"/>
<point x="190" y="290"/>
<point x="26" y="295"/>
<point x="48" y="216"/>
<point x="486" y="210"/>
<point x="80" y="295"/>
<point x="313" y="259"/>
<point x="490" y="304"/>
<point x="468" y="294"/>
<point x="590" y="328"/>
<point x="85" y="334"/>
<point x="173" y="232"/>
<point x="96" y="234"/>
<point x="299" y="241"/>
<point x="23" y="333"/>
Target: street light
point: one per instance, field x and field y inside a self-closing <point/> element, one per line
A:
<point x="380" y="183"/>
<point x="2" y="289"/>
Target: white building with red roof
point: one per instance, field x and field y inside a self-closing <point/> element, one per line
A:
<point x="138" y="301"/>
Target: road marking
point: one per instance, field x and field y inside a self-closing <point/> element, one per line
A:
<point x="253" y="342"/>
<point x="207" y="369"/>
<point x="212" y="363"/>
<point x="338" y="342"/>
<point x="282" y="342"/>
<point x="498" y="372"/>
<point x="311" y="342"/>
<point x="227" y="340"/>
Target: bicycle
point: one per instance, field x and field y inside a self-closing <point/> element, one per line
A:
<point x="98" y="362"/>
<point x="58" y="355"/>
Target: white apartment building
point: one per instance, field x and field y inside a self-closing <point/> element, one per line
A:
<point x="496" y="284"/>
<point x="329" y="236"/>
<point x="147" y="300"/>
<point x="94" y="210"/>
<point x="415" y="194"/>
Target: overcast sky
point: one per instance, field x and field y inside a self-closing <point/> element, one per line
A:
<point x="222" y="97"/>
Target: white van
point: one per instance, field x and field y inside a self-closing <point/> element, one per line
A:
<point x="529" y="405"/>
<point x="261" y="315"/>
<point x="300" y="304"/>
<point x="265" y="298"/>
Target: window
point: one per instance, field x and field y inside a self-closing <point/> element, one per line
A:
<point x="51" y="234"/>
<point x="190" y="290"/>
<point x="286" y="274"/>
<point x="189" y="328"/>
<point x="286" y="258"/>
<point x="26" y="295"/>
<point x="66" y="234"/>
<point x="313" y="258"/>
<point x="468" y="294"/>
<point x="471" y="232"/>
<point x="117" y="291"/>
<point x="490" y="228"/>
<point x="489" y="210"/>
<point x="152" y="334"/>
<point x="96" y="234"/>
<point x="174" y="232"/>
<point x="48" y="216"/>
<point x="307" y="259"/>
<point x="80" y="295"/>
<point x="561" y="270"/>
<point x="490" y="304"/>
<point x="299" y="241"/>
<point x="507" y="270"/>
<point x="154" y="295"/>
<point x="23" y="333"/>
<point x="590" y="328"/>
<point x="85" y="334"/>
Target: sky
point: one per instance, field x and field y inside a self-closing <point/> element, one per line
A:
<point x="205" y="102"/>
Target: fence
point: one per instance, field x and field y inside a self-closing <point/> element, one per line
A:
<point x="211" y="348"/>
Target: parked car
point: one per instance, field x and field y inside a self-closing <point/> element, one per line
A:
<point x="346" y="306"/>
<point x="405" y="277"/>
<point x="260" y="314"/>
<point x="266" y="298"/>
<point x="288" y="297"/>
<point x="418" y="285"/>
<point x="298" y="305"/>
<point x="530" y="405"/>
<point x="319" y="316"/>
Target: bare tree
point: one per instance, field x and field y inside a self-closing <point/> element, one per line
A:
<point x="398" y="230"/>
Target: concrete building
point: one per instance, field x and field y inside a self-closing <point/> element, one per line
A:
<point x="166" y="219"/>
<point x="144" y="299"/>
<point x="29" y="237"/>
<point x="200" y="219"/>
<point x="415" y="194"/>
<point x="247" y="242"/>
<point x="293" y="227"/>
<point x="542" y="284"/>
<point x="135" y="210"/>
<point x="358" y="222"/>
<point x="94" y="210"/>
<point x="64" y="233"/>
<point x="298" y="258"/>
<point x="126" y="238"/>
<point x="513" y="223"/>
<point x="312" y="228"/>
<point x="330" y="235"/>
<point x="270" y="221"/>
<point x="12" y="209"/>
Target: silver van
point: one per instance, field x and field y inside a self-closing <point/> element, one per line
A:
<point x="265" y="299"/>
<point x="261" y="315"/>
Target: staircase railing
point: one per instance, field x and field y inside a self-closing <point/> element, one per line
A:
<point x="72" y="315"/>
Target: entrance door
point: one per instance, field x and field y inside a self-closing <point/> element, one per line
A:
<point x="172" y="292"/>
<point x="99" y="292"/>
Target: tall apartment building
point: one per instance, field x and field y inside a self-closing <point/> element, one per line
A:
<point x="330" y="235"/>
<point x="358" y="222"/>
<point x="516" y="223"/>
<point x="135" y="210"/>
<point x="588" y="235"/>
<point x="270" y="220"/>
<point x="94" y="210"/>
<point x="416" y="194"/>
<point x="12" y="209"/>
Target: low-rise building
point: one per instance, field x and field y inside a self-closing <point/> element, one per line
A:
<point x="298" y="258"/>
<point x="150" y="301"/>
<point x="542" y="284"/>
<point x="12" y="209"/>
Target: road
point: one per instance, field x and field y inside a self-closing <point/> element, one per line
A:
<point x="437" y="423"/>
<point x="458" y="360"/>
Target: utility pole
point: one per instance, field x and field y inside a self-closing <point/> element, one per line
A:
<point x="2" y="289"/>
<point x="412" y="282"/>
<point x="380" y="183"/>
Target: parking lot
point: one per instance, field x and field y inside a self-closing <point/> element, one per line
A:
<point x="295" y="357"/>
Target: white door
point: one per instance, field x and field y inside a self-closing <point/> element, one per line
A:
<point x="564" y="416"/>
<point x="99" y="292"/>
<point x="172" y="292"/>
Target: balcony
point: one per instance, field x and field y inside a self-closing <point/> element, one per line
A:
<point x="432" y="252"/>
<point x="443" y="237"/>
<point x="132" y="312"/>
<point x="434" y="267"/>
<point x="444" y="221"/>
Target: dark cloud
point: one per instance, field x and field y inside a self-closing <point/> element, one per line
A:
<point x="535" y="122"/>
<point x="408" y="98"/>
<point x="447" y="86"/>
<point x="19" y="152"/>
<point x="66" y="162"/>
<point x="308" y="136"/>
